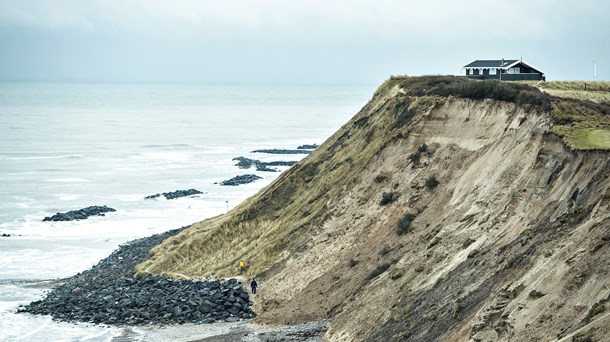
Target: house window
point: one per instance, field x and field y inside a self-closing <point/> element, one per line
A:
<point x="467" y="71"/>
<point x="492" y="71"/>
<point x="515" y="70"/>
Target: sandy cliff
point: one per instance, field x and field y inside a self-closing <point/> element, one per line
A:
<point x="494" y="229"/>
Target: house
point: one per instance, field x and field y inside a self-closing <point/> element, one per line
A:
<point x="504" y="70"/>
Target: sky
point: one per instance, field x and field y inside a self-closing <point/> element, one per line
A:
<point x="295" y="42"/>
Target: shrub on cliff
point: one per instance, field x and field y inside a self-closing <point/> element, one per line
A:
<point x="378" y="270"/>
<point x="432" y="182"/>
<point x="403" y="225"/>
<point x="476" y="89"/>
<point x="388" y="197"/>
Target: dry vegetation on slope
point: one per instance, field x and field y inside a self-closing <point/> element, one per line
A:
<point x="444" y="210"/>
<point x="596" y="91"/>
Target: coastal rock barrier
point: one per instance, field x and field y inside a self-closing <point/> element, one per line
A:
<point x="282" y="151"/>
<point x="307" y="147"/>
<point x="108" y="293"/>
<point x="246" y="163"/>
<point x="175" y="194"/>
<point x="239" y="180"/>
<point x="80" y="214"/>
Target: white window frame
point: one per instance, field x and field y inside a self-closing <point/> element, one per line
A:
<point x="492" y="71"/>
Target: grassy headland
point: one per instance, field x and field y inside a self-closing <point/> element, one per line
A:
<point x="262" y="229"/>
<point x="441" y="203"/>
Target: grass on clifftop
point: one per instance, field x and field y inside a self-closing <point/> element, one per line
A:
<point x="595" y="91"/>
<point x="585" y="138"/>
<point x="582" y="124"/>
<point x="474" y="89"/>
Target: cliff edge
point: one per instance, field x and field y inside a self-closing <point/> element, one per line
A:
<point x="447" y="209"/>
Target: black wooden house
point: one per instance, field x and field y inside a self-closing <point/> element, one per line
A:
<point x="504" y="70"/>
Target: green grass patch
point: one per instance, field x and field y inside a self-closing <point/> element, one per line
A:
<point x="584" y="138"/>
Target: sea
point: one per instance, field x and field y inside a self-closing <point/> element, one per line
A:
<point x="66" y="146"/>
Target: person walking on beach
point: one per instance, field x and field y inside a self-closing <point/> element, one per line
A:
<point x="254" y="285"/>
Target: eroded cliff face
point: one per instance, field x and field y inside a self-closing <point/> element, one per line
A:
<point x="493" y="229"/>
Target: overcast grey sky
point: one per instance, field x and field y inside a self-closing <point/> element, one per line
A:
<point x="306" y="41"/>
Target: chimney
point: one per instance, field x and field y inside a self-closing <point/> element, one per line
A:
<point x="502" y="61"/>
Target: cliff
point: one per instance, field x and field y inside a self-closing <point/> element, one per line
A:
<point x="445" y="210"/>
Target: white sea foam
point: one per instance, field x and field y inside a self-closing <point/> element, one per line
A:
<point x="66" y="156"/>
<point x="68" y="180"/>
<point x="68" y="197"/>
<point x="179" y="157"/>
<point x="123" y="160"/>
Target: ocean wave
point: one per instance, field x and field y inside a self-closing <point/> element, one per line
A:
<point x="163" y="146"/>
<point x="67" y="180"/>
<point x="64" y="156"/>
<point x="180" y="157"/>
<point x="68" y="197"/>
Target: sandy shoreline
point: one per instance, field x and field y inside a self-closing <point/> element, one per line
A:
<point x="224" y="332"/>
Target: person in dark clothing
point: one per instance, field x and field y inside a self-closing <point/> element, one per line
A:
<point x="254" y="285"/>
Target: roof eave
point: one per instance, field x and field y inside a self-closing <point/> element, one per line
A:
<point x="528" y="64"/>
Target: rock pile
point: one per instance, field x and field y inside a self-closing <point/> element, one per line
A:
<point x="238" y="180"/>
<point x="80" y="214"/>
<point x="308" y="147"/>
<point x="282" y="151"/>
<point x="176" y="194"/>
<point x="246" y="163"/>
<point x="109" y="293"/>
